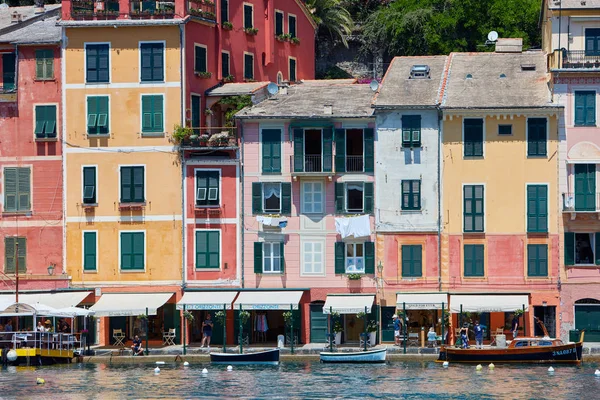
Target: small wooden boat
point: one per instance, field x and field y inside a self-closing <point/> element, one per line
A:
<point x="259" y="357"/>
<point x="369" y="356"/>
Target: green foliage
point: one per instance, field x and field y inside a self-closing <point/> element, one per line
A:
<point x="518" y="312"/>
<point x="354" y="277"/>
<point x="236" y="103"/>
<point x="331" y="18"/>
<point x="188" y="316"/>
<point x="220" y="316"/>
<point x="372" y="326"/>
<point x="287" y="318"/>
<point x="337" y="327"/>
<point x="336" y="73"/>
<point x="244" y="317"/>
<point x="181" y="133"/>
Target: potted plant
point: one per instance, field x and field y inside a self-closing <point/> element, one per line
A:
<point x="220" y="316"/>
<point x="372" y="330"/>
<point x="229" y="78"/>
<point x="227" y="25"/>
<point x="295" y="40"/>
<point x="208" y="111"/>
<point x="219" y="139"/>
<point x="188" y="316"/>
<point x="284" y="37"/>
<point x="354" y="277"/>
<point x="181" y="133"/>
<point x="203" y="139"/>
<point x="142" y="317"/>
<point x="337" y="329"/>
<point x="251" y="31"/>
<point x="244" y="317"/>
<point x="287" y="318"/>
<point x="209" y="15"/>
<point x="203" y="74"/>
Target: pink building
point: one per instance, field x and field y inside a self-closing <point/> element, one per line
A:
<point x="30" y="153"/>
<point x="308" y="157"/>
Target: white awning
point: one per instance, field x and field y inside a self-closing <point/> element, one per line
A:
<point x="488" y="303"/>
<point x="268" y="300"/>
<point x="54" y="300"/>
<point x="206" y="300"/>
<point x="348" y="304"/>
<point x="422" y="301"/>
<point x="129" y="304"/>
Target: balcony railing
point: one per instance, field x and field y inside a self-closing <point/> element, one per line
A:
<point x="354" y="164"/>
<point x="100" y="9"/>
<point x="144" y="9"/>
<point x="575" y="59"/>
<point x="209" y="137"/>
<point x="203" y="9"/>
<point x="581" y="202"/>
<point x="313" y="163"/>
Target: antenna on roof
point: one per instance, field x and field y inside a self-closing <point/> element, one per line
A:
<point x="272" y="88"/>
<point x="492" y="38"/>
<point x="374" y="85"/>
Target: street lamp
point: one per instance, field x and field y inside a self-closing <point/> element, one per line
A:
<point x="51" y="269"/>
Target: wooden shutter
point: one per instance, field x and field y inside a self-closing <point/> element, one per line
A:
<point x="258" y="257"/>
<point x="417" y="255"/>
<point x="327" y="149"/>
<point x="278" y="23"/>
<point x="340" y="150"/>
<point x="339" y="198"/>
<point x="103" y="72"/>
<point x="146" y="65"/>
<point x="24" y="189"/>
<point x="49" y="64"/>
<point x="10" y="189"/>
<point x="590" y="109"/>
<point x="597" y="248"/>
<point x="257" y="198"/>
<point x="369" y="258"/>
<point x="89" y="251"/>
<point x="282" y="257"/>
<point x="406" y="261"/>
<point x="89" y="179"/>
<point x="473" y="137"/>
<point x="248" y="23"/>
<point x="369" y="150"/>
<point x="213" y="183"/>
<point x="147" y="113"/>
<point x="9" y="255"/>
<point x="293" y="77"/>
<point x="213" y="250"/>
<point x="271" y="151"/>
<point x="138" y="184"/>
<point x="50" y="121"/>
<point x="126" y="250"/>
<point x="585" y="187"/>
<point x="157" y="110"/>
<point x="531" y="260"/>
<point x="201" y="249"/>
<point x="248" y="66"/>
<point x="542" y="208"/>
<point x="196" y="113"/>
<point x="292" y="26"/>
<point x="224" y="11"/>
<point x="286" y="198"/>
<point x="138" y="250"/>
<point x="368" y="201"/>
<point x="224" y="65"/>
<point x="102" y="121"/>
<point x="340" y="257"/>
<point x="267" y="166"/>
<point x="298" y="150"/>
<point x="40" y="64"/>
<point x="126" y="184"/>
<point x="91" y="62"/>
<point x="542" y="259"/>
<point x="570" y="248"/>
<point x="536" y="136"/>
<point x="580" y="100"/>
<point x="479" y="260"/>
<point x="92" y="114"/>
<point x="157" y="62"/>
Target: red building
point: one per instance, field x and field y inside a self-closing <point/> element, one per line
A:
<point x="31" y="178"/>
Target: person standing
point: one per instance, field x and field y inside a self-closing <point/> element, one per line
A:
<point x="207" y="327"/>
<point x="515" y="326"/>
<point x="397" y="329"/>
<point x="478" y="329"/>
<point x="464" y="335"/>
<point x="8" y="327"/>
<point x="40" y="327"/>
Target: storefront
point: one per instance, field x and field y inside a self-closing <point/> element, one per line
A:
<point x="202" y="303"/>
<point x="346" y="310"/>
<point x="422" y="311"/>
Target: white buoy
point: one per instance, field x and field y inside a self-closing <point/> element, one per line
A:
<point x="597" y="373"/>
<point x="550" y="369"/>
<point x="160" y="363"/>
<point x="157" y="370"/>
<point x="11" y="355"/>
<point x="205" y="371"/>
<point x="186" y="364"/>
<point x="229" y="368"/>
<point x="445" y="364"/>
<point x="491" y="366"/>
<point x="478" y="367"/>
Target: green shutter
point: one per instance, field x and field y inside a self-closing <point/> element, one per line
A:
<point x="138" y="250"/>
<point x="24" y="188"/>
<point x="569" y="248"/>
<point x="92" y="114"/>
<point x="200" y="59"/>
<point x="417" y="255"/>
<point x="585" y="108"/>
<point x="271" y="151"/>
<point x="369" y="150"/>
<point x="473" y="137"/>
<point x="340" y="150"/>
<point x="248" y="23"/>
<point x="89" y="251"/>
<point x="340" y="257"/>
<point x="339" y="198"/>
<point x="138" y="184"/>
<point x="147" y="113"/>
<point x="298" y="150"/>
<point x="368" y="193"/>
<point x="201" y="249"/>
<point x="214" y="256"/>
<point x="103" y="115"/>
<point x="9" y="252"/>
<point x="327" y="149"/>
<point x="473" y="260"/>
<point x="282" y="255"/>
<point x="248" y="66"/>
<point x="537" y="208"/>
<point x="126" y="251"/>
<point x="412" y="261"/>
<point x="126" y="184"/>
<point x="50" y="129"/>
<point x="258" y="257"/>
<point x="537" y="260"/>
<point x="580" y="100"/>
<point x="89" y="185"/>
<point x="40" y="121"/>
<point x="278" y="23"/>
<point x="10" y="189"/>
<point x="536" y="136"/>
<point x="597" y="248"/>
<point x="585" y="187"/>
<point x="406" y="261"/>
<point x="40" y="66"/>
<point x="369" y="258"/>
<point x="158" y="125"/>
<point x="257" y="198"/>
<point x="286" y="198"/>
<point x="479" y="261"/>
<point x="292" y="25"/>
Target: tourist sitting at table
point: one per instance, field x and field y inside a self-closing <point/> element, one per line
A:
<point x="137" y="346"/>
<point x="40" y="327"/>
<point x="64" y="326"/>
<point x="48" y="326"/>
<point x="431" y="337"/>
<point x="8" y="327"/>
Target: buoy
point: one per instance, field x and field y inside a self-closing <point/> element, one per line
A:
<point x="11" y="355"/>
<point x="491" y="366"/>
<point x="157" y="370"/>
<point x="205" y="371"/>
<point x="597" y="373"/>
<point x="40" y="381"/>
<point x="445" y="364"/>
<point x="229" y="368"/>
<point x="186" y="364"/>
<point x="160" y="363"/>
<point x="478" y="367"/>
<point x="550" y="369"/>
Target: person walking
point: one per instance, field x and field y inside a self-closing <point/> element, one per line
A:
<point x="207" y="327"/>
<point x="478" y="329"/>
<point x="397" y="329"/>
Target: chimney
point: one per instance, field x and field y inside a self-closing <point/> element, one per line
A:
<point x="328" y="109"/>
<point x="509" y="45"/>
<point x="15" y="17"/>
<point x="38" y="7"/>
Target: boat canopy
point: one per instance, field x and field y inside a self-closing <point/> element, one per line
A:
<point x="488" y="303"/>
<point x="129" y="304"/>
<point x="217" y="300"/>
<point x="422" y="301"/>
<point x="348" y="303"/>
<point x="268" y="300"/>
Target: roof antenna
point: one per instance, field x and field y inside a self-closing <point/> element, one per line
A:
<point x="492" y="38"/>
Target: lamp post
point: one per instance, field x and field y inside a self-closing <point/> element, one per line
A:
<point x="51" y="268"/>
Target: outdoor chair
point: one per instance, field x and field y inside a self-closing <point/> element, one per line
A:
<point x="413" y="339"/>
<point x="364" y="337"/>
<point x="330" y="342"/>
<point x="499" y="331"/>
<point x="119" y="337"/>
<point x="169" y="337"/>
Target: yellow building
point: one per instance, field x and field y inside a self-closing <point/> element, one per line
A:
<point x="122" y="96"/>
<point x="500" y="186"/>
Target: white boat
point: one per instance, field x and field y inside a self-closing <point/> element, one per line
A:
<point x="370" y="356"/>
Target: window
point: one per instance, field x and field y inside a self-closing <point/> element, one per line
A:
<point x="271" y="198"/>
<point x="411" y="261"/>
<point x="152" y="65"/>
<point x="581" y="248"/>
<point x="132" y="250"/>
<point x="9" y="69"/>
<point x="132" y="185"/>
<point x="45" y="122"/>
<point x="293" y="77"/>
<point x="585" y="108"/>
<point x="224" y="11"/>
<point x="473" y="137"/>
<point x="473" y="208"/>
<point x="536" y="136"/>
<point x="207" y="250"/>
<point x="152" y="114"/>
<point x="537" y="208"/>
<point x="411" y="131"/>
<point x="10" y="244"/>
<point x="474" y="263"/>
<point x="354" y="197"/>
<point x="355" y="259"/>
<point x="271" y="151"/>
<point x="272" y="257"/>
<point x="90" y="251"/>
<point x="89" y="185"/>
<point x="313" y="258"/>
<point x="96" y="58"/>
<point x="200" y="59"/>
<point x="505" y="130"/>
<point x="585" y="187"/>
<point x="207" y="188"/>
<point x="292" y="26"/>
<point x="278" y="23"/>
<point x="537" y="260"/>
<point x="411" y="194"/>
<point x="97" y="115"/>
<point x="17" y="189"/>
<point x="354" y="150"/>
<point x="248" y="66"/>
<point x="312" y="197"/>
<point x="225" y="65"/>
<point x="248" y="16"/>
<point x="592" y="41"/>
<point x="44" y="64"/>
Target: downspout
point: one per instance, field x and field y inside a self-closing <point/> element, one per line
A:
<point x="181" y="154"/>
<point x="241" y="130"/>
<point x="63" y="106"/>
<point x="439" y="195"/>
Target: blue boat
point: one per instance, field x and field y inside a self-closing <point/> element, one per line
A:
<point x="360" y="357"/>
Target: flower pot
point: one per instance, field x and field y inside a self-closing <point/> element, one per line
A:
<point x="338" y="338"/>
<point x="373" y="338"/>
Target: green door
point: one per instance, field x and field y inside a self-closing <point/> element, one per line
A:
<point x="117" y="323"/>
<point x="318" y="324"/>
<point x="588" y="317"/>
<point x="8" y="72"/>
<point x="387" y="324"/>
<point x="585" y="187"/>
<point x="217" y="332"/>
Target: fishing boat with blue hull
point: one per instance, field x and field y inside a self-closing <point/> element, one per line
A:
<point x="259" y="357"/>
<point x="361" y="357"/>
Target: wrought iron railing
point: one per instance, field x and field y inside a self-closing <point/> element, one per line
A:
<point x="95" y="9"/>
<point x="313" y="163"/>
<point x="580" y="59"/>
<point x="203" y="9"/>
<point x="354" y="163"/>
<point x="581" y="202"/>
<point x="163" y="9"/>
<point x="207" y="137"/>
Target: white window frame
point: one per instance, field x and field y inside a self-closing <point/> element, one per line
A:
<point x="83" y="270"/>
<point x="97" y="135"/>
<point x="347" y="259"/>
<point x="346" y="197"/>
<point x="205" y="57"/>
<point x="136" y="271"/>
<point x="312" y="203"/>
<point x="271" y="256"/>
<point x="313" y="242"/>
<point x="196" y="187"/>
<point x="593" y="245"/>
<point x="263" y="199"/>
<point x="164" y="77"/>
<point x="85" y="44"/>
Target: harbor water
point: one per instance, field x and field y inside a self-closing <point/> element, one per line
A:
<point x="301" y="380"/>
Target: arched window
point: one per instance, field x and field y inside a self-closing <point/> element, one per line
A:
<point x="587" y="301"/>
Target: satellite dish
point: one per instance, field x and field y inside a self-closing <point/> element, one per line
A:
<point x="493" y="36"/>
<point x="374" y="85"/>
<point x="272" y="88"/>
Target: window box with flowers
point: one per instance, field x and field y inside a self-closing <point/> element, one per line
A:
<point x="219" y="140"/>
<point x="251" y="31"/>
<point x="284" y="37"/>
<point x="229" y="78"/>
<point x="203" y="74"/>
<point x="294" y="40"/>
<point x="227" y="26"/>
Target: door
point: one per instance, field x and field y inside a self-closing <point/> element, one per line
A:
<point x="387" y="324"/>
<point x="172" y="320"/>
<point x="588" y="317"/>
<point x="8" y="72"/>
<point x="585" y="187"/>
<point x="354" y="327"/>
<point x="318" y="324"/>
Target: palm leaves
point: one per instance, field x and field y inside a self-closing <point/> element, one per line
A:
<point x="331" y="17"/>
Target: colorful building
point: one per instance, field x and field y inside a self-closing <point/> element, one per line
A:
<point x="571" y="37"/>
<point x="308" y="159"/>
<point x="500" y="239"/>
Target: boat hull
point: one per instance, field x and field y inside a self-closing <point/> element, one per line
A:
<point x="568" y="353"/>
<point x="260" y="357"/>
<point x="369" y="357"/>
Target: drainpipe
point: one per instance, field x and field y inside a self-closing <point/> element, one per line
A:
<point x="181" y="154"/>
<point x="241" y="130"/>
<point x="439" y="198"/>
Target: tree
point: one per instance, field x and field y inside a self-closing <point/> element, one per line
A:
<point x="331" y="18"/>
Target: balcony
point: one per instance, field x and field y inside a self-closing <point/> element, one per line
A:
<point x="580" y="60"/>
<point x="88" y="9"/>
<point x="354" y="163"/>
<point x="206" y="137"/>
<point x="581" y="203"/>
<point x="202" y="9"/>
<point x="152" y="9"/>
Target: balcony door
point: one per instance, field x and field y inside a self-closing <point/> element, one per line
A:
<point x="585" y="187"/>
<point x="354" y="150"/>
<point x="313" y="150"/>
<point x="592" y="42"/>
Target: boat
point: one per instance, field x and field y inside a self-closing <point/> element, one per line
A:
<point x="520" y="350"/>
<point x="259" y="357"/>
<point x="369" y="356"/>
